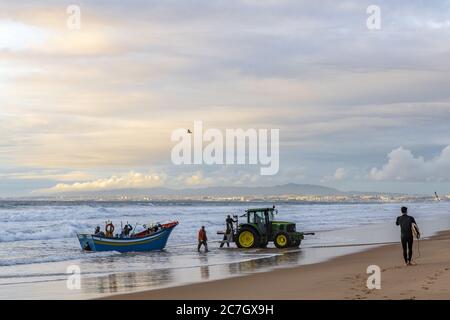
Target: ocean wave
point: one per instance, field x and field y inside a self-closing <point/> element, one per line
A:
<point x="55" y="214"/>
<point x="56" y="258"/>
<point x="57" y="231"/>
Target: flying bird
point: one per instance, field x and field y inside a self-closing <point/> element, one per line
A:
<point x="189" y="131"/>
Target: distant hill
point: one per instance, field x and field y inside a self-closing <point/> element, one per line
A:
<point x="285" y="189"/>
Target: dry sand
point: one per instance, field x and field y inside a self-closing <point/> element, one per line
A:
<point x="341" y="278"/>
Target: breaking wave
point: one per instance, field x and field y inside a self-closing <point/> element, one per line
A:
<point x="54" y="232"/>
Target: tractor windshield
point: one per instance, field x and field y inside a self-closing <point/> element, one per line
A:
<point x="256" y="217"/>
<point x="259" y="217"/>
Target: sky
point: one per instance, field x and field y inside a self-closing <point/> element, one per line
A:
<point x="94" y="108"/>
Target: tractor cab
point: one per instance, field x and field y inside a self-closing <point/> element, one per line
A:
<point x="261" y="217"/>
<point x="260" y="228"/>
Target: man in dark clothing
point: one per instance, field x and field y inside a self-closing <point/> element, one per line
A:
<point x="230" y="222"/>
<point x="406" y="223"/>
<point x="229" y="232"/>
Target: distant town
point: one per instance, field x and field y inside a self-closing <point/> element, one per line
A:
<point x="291" y="192"/>
<point x="369" y="198"/>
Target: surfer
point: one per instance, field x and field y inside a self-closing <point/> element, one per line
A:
<point x="406" y="223"/>
<point x="202" y="239"/>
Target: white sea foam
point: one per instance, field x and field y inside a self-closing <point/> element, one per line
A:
<point x="56" y="258"/>
<point x="52" y="232"/>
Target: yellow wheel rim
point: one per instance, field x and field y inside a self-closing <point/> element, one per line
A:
<point x="246" y="239"/>
<point x="281" y="240"/>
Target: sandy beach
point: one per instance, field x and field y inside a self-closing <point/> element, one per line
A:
<point x="340" y="278"/>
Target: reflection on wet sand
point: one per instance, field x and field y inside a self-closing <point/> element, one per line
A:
<point x="204" y="269"/>
<point x="130" y="281"/>
<point x="283" y="259"/>
<point x="147" y="280"/>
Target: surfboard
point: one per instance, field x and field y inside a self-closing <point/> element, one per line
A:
<point x="415" y="231"/>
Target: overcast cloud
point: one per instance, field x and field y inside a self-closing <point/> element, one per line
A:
<point x="356" y="108"/>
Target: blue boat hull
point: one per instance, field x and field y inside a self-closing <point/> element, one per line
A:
<point x="155" y="241"/>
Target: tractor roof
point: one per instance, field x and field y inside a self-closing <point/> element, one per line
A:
<point x="259" y="209"/>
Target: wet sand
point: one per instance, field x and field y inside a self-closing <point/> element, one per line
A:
<point x="340" y="278"/>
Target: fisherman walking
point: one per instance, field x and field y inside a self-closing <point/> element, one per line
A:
<point x="229" y="231"/>
<point x="406" y="223"/>
<point x="202" y="239"/>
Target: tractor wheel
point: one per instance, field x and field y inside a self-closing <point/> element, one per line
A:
<point x="247" y="238"/>
<point x="282" y="240"/>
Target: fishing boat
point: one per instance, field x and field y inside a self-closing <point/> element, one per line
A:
<point x="144" y="241"/>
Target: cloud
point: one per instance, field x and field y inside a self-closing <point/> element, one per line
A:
<point x="106" y="98"/>
<point x="339" y="175"/>
<point x="48" y="175"/>
<point x="175" y="178"/>
<point x="131" y="180"/>
<point x="404" y="166"/>
<point x="196" y="179"/>
<point x="16" y="36"/>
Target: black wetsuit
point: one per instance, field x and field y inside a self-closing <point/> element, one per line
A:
<point x="405" y="222"/>
<point x="230" y="224"/>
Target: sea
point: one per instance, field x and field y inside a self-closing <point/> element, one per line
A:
<point x="40" y="254"/>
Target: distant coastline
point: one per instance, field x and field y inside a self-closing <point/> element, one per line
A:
<point x="286" y="193"/>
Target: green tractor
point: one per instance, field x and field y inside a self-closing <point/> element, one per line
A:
<point x="260" y="228"/>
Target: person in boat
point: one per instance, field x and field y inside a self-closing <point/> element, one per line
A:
<point x="153" y="229"/>
<point x="202" y="239"/>
<point x="229" y="231"/>
<point x="406" y="223"/>
<point x="109" y="230"/>
<point x="98" y="232"/>
<point x="126" y="230"/>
